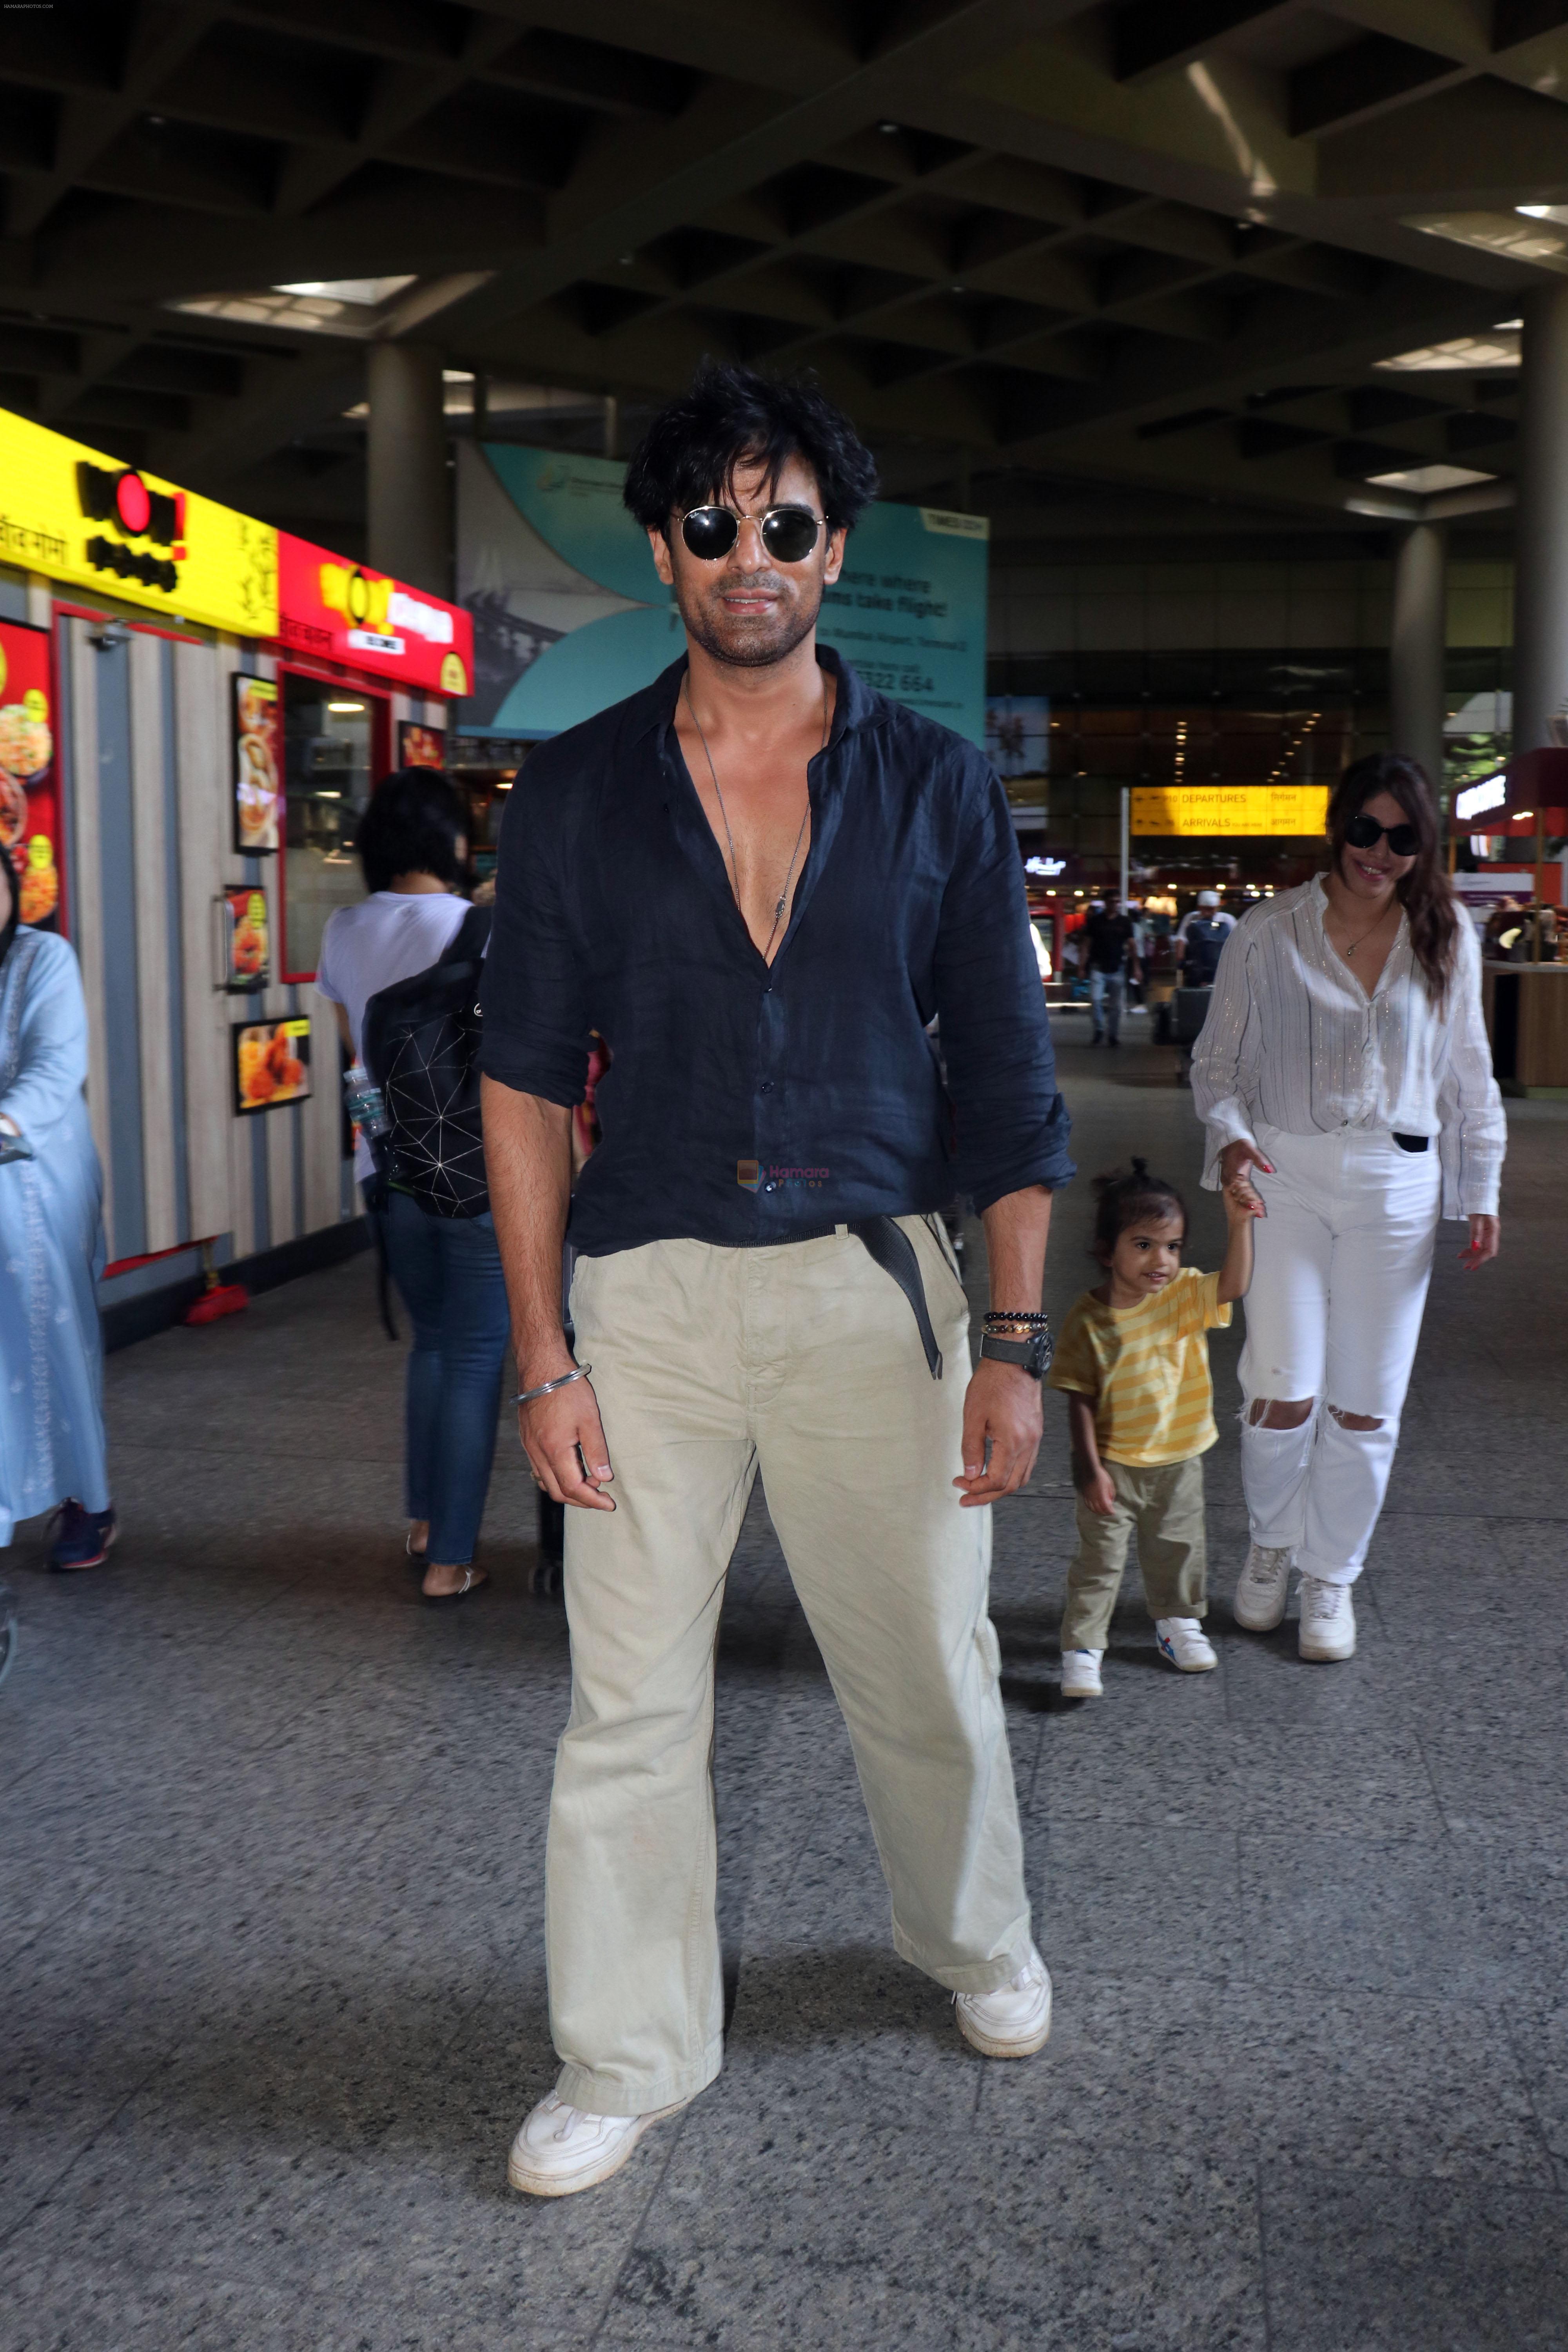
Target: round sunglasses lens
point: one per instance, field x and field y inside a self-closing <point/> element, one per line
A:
<point x="709" y="532"/>
<point x="1404" y="841"/>
<point x="789" y="534"/>
<point x="1363" y="832"/>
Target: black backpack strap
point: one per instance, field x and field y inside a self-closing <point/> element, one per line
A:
<point x="470" y="940"/>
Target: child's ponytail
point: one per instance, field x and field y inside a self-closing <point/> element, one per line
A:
<point x="1123" y="1196"/>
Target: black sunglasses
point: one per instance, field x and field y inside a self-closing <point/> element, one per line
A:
<point x="1365" y="831"/>
<point x="788" y="533"/>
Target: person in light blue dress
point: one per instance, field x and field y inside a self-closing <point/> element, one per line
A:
<point x="52" y="1449"/>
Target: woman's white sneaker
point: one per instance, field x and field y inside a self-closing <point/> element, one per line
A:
<point x="1080" y="1674"/>
<point x="1263" y="1589"/>
<point x="560" y="2149"/>
<point x="1328" y="1620"/>
<point x="1185" y="1646"/>
<point x="1014" y="2021"/>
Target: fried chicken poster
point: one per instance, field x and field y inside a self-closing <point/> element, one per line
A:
<point x="258" y="767"/>
<point x="271" y="1064"/>
<point x="29" y="800"/>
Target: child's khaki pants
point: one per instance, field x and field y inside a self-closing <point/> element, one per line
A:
<point x="1166" y="1508"/>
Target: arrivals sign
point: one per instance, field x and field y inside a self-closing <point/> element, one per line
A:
<point x="1259" y="810"/>
<point x="74" y="515"/>
<point x="346" y="613"/>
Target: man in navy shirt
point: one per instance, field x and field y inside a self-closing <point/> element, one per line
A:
<point x="760" y="882"/>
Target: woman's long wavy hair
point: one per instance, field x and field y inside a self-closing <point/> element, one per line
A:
<point x="1423" y="894"/>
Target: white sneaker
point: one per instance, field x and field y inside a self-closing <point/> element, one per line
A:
<point x="560" y="2149"/>
<point x="1183" y="1642"/>
<point x="1261" y="1594"/>
<point x="1080" y="1674"/>
<point x="1014" y="2021"/>
<point x="1328" y="1620"/>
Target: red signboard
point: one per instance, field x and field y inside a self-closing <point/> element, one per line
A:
<point x="30" y="774"/>
<point x="345" y="613"/>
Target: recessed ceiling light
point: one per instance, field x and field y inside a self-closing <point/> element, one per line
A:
<point x="1464" y="352"/>
<point x="888" y="128"/>
<point x="364" y="293"/>
<point x="1424" y="479"/>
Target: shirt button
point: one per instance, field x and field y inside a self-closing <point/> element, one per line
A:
<point x="769" y="1188"/>
<point x="767" y="1085"/>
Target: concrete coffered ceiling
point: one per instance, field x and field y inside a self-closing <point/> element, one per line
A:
<point x="1148" y="258"/>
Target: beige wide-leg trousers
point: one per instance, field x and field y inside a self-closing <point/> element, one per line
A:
<point x="802" y="1361"/>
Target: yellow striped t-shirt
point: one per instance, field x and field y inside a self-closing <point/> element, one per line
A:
<point x="1147" y="1369"/>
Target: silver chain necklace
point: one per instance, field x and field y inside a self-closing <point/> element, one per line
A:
<point x="725" y="814"/>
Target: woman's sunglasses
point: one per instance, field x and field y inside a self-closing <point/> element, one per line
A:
<point x="1365" y="833"/>
<point x="787" y="533"/>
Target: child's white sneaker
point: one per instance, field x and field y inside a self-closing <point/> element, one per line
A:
<point x="1261" y="1593"/>
<point x="1080" y="1674"/>
<point x="1183" y="1642"/>
<point x="1328" y="1621"/>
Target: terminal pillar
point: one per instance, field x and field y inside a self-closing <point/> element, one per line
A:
<point x="1418" y="642"/>
<point x="1540" y="559"/>
<point x="409" y="506"/>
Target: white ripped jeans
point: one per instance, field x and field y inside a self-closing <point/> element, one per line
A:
<point x="1343" y="1258"/>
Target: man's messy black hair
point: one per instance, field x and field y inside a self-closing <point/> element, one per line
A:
<point x="732" y="415"/>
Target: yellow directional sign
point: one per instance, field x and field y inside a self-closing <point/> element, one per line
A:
<point x="1230" y="809"/>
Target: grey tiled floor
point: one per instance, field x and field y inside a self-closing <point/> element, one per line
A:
<point x="271" y="1851"/>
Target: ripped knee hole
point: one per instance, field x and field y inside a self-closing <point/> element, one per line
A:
<point x="1273" y="1413"/>
<point x="1354" y="1420"/>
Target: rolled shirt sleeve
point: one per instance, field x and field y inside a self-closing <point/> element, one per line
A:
<point x="1226" y="1056"/>
<point x="536" y="1023"/>
<point x="1012" y="1123"/>
<point x="1473" y="1135"/>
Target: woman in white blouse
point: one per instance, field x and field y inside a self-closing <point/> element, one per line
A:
<point x="1344" y="1065"/>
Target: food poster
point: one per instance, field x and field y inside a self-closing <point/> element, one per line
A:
<point x="258" y="765"/>
<point x="420" y="747"/>
<point x="271" y="1063"/>
<point x="247" y="957"/>
<point x="29" y="776"/>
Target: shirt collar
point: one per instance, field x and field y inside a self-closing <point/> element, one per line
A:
<point x="854" y="705"/>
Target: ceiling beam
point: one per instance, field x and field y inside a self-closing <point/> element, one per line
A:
<point x="1151" y="36"/>
<point x="157" y="38"/>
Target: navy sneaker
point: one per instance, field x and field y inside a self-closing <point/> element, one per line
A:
<point x="82" y="1539"/>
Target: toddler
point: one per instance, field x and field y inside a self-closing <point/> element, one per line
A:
<point x="1133" y="1359"/>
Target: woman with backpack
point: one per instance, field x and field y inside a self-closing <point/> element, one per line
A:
<point x="412" y="844"/>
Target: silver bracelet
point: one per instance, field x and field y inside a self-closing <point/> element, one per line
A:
<point x="548" y="1388"/>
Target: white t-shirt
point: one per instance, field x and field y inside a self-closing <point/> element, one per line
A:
<point x="389" y="936"/>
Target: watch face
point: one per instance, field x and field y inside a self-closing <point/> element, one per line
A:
<point x="1041" y="1349"/>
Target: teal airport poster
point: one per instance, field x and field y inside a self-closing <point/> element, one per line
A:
<point x="570" y="615"/>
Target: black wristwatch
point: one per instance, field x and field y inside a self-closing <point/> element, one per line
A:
<point x="1032" y="1355"/>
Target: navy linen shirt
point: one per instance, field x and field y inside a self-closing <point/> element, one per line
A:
<point x="746" y="1104"/>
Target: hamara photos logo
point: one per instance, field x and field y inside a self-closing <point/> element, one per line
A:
<point x="753" y="1177"/>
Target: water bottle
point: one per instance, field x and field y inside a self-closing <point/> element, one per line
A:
<point x="365" y="1106"/>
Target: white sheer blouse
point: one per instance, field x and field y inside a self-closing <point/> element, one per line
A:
<point x="1294" y="1040"/>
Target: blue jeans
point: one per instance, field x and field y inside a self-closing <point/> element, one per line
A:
<point x="1106" y="990"/>
<point x="448" y="1276"/>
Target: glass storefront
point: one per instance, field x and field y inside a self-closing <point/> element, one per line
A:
<point x="329" y="738"/>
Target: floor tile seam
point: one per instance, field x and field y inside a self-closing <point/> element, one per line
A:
<point x="634" y="2235"/>
<point x="159" y="2065"/>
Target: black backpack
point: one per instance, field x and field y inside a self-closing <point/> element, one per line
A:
<point x="1205" y="940"/>
<point x="420" y="1042"/>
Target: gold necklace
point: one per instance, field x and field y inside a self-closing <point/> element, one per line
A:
<point x="1361" y="938"/>
<point x="723" y="811"/>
